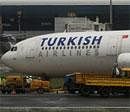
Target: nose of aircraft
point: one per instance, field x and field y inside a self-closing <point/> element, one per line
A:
<point x="5" y="58"/>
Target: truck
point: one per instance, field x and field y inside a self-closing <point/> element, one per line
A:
<point x="20" y="84"/>
<point x="102" y="84"/>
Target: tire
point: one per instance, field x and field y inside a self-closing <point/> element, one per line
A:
<point x="40" y="91"/>
<point x="8" y="90"/>
<point x="3" y="91"/>
<point x="127" y="93"/>
<point x="84" y="91"/>
<point x="105" y="92"/>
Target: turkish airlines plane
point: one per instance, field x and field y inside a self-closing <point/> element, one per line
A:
<point x="58" y="54"/>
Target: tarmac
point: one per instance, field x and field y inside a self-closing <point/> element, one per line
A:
<point x="49" y="100"/>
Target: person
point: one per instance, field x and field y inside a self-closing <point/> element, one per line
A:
<point x="116" y="71"/>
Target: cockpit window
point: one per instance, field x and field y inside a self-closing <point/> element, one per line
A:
<point x="14" y="48"/>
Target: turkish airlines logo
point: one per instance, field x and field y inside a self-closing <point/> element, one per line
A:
<point x="62" y="41"/>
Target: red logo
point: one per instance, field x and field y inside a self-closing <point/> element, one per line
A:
<point x="125" y="36"/>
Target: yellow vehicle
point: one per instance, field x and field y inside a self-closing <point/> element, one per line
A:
<point x="101" y="84"/>
<point x="39" y="85"/>
<point x="19" y="84"/>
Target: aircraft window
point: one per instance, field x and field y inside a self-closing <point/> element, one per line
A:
<point x="97" y="46"/>
<point x="90" y="47"/>
<point x="75" y="47"/>
<point x="11" y="49"/>
<point x="60" y="47"/>
<point x="46" y="48"/>
<point x="71" y="47"/>
<point x="56" y="47"/>
<point x="94" y="46"/>
<point x="14" y="49"/>
<point x="68" y="47"/>
<point x="82" y="47"/>
<point x="49" y="48"/>
<point x="43" y="48"/>
<point x="64" y="47"/>
<point x="53" y="47"/>
<point x="79" y="47"/>
<point x="86" y="47"/>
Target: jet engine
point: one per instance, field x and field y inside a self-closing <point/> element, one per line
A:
<point x="123" y="60"/>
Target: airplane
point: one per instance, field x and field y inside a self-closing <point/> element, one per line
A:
<point x="58" y="54"/>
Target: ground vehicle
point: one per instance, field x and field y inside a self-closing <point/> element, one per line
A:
<point x="102" y="84"/>
<point x="39" y="85"/>
<point x="20" y="84"/>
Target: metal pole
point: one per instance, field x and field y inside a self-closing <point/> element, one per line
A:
<point x="19" y="23"/>
<point x="19" y="13"/>
<point x="111" y="15"/>
<point x="1" y="26"/>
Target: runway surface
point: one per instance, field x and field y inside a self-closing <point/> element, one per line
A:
<point x="62" y="100"/>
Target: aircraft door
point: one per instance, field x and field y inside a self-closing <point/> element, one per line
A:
<point x="20" y="51"/>
<point x="30" y="52"/>
<point x="125" y="44"/>
<point x="114" y="46"/>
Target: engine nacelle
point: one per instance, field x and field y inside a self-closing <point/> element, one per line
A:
<point x="123" y="60"/>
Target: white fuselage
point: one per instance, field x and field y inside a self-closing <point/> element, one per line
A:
<point x="62" y="53"/>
